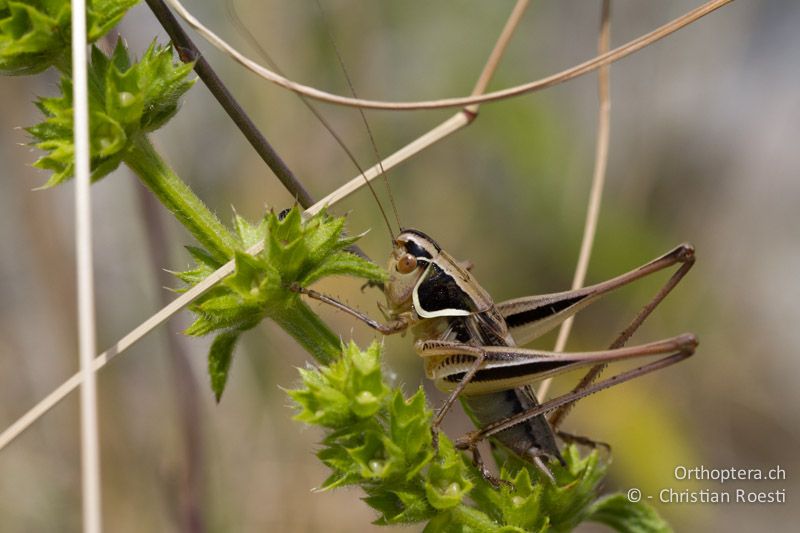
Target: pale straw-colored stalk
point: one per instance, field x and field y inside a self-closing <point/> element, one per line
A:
<point x="90" y="442"/>
<point x="598" y="180"/>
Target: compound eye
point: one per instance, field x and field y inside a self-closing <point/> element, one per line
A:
<point x="406" y="264"/>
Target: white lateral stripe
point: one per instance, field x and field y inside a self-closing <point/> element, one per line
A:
<point x="441" y="312"/>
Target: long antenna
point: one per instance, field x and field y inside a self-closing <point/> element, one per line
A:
<point x="242" y="27"/>
<point x="352" y="89"/>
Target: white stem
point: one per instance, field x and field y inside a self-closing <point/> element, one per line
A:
<point x="90" y="448"/>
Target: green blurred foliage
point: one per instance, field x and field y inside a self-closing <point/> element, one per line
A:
<point x="381" y="441"/>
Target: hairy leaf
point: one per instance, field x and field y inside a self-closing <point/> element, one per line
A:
<point x="126" y="99"/>
<point x="618" y="512"/>
<point x="296" y="251"/>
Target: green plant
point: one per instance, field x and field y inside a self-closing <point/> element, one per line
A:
<point x="375" y="437"/>
<point x="295" y="251"/>
<point x="378" y="439"/>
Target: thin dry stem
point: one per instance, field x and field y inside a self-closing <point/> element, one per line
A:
<point x="498" y="51"/>
<point x="90" y="439"/>
<point x="555" y="79"/>
<point x="598" y="180"/>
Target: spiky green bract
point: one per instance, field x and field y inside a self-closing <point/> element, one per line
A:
<point x="126" y="100"/>
<point x="381" y="441"/>
<point x="35" y="34"/>
<point x="295" y="251"/>
<point x="619" y="513"/>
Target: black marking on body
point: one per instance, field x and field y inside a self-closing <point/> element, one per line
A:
<point x="415" y="249"/>
<point x="532" y="437"/>
<point x="459" y="330"/>
<point x="539" y="313"/>
<point x="506" y="372"/>
<point x="439" y="291"/>
<point x="457" y="359"/>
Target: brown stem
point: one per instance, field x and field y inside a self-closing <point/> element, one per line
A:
<point x="187" y="396"/>
<point x="189" y="52"/>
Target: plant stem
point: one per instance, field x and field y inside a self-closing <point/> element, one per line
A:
<point x="299" y="321"/>
<point x="176" y="196"/>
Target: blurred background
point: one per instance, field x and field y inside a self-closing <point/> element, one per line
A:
<point x="704" y="131"/>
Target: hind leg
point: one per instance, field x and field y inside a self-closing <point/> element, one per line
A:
<point x="581" y="440"/>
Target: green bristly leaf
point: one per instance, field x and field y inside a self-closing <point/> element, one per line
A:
<point x="35" y="34"/>
<point x="619" y="513"/>
<point x="386" y="449"/>
<point x="295" y="251"/>
<point x="219" y="361"/>
<point x="126" y="100"/>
